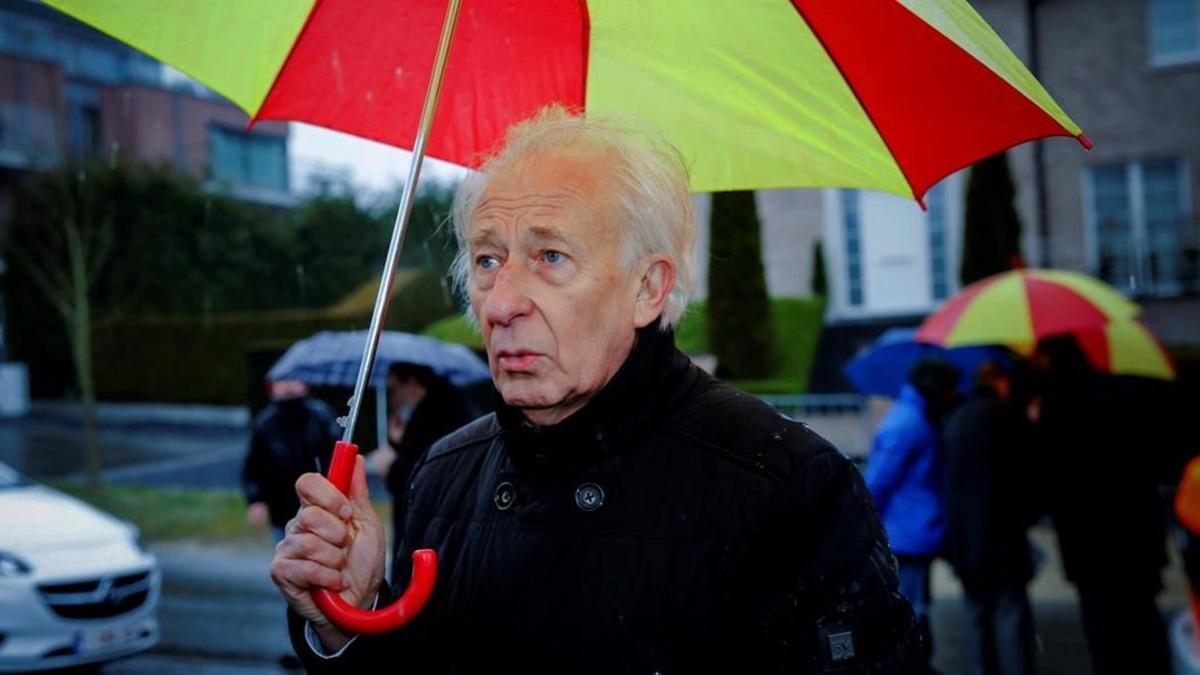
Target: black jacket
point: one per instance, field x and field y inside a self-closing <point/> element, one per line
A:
<point x="989" y="498"/>
<point x="290" y="439"/>
<point x="1105" y="442"/>
<point x="672" y="525"/>
<point x="442" y="410"/>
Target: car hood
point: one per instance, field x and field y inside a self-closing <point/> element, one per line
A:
<point x="34" y="518"/>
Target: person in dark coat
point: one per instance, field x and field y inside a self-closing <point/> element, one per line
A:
<point x="292" y="436"/>
<point x="428" y="408"/>
<point x="1104" y="465"/>
<point x="621" y="511"/>
<point x="904" y="473"/>
<point x="989" y="510"/>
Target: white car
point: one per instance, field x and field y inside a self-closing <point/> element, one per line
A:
<point x="75" y="585"/>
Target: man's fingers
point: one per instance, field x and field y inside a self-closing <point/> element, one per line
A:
<point x="301" y="576"/>
<point x="313" y="548"/>
<point x="322" y="523"/>
<point x="316" y="490"/>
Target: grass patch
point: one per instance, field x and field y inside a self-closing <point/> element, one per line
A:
<point x="165" y="514"/>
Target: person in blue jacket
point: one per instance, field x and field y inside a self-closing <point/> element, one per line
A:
<point x="904" y="474"/>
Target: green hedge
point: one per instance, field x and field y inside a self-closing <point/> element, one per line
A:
<point x="456" y="329"/>
<point x="797" y="325"/>
<point x="205" y="358"/>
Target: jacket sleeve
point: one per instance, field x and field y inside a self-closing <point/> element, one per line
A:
<point x="892" y="451"/>
<point x="826" y="596"/>
<point x="253" y="469"/>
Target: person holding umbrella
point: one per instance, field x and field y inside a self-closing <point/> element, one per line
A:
<point x="621" y="511"/>
<point x="422" y="409"/>
<point x="989" y="510"/>
<point x="292" y="436"/>
<point x="1107" y="447"/>
<point x="904" y="473"/>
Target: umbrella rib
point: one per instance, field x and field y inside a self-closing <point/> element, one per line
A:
<point x="858" y="97"/>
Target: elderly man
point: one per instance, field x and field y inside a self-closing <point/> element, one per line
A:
<point x="621" y="511"/>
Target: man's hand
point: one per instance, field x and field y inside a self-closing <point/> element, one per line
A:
<point x="257" y="514"/>
<point x="334" y="542"/>
<point x="381" y="459"/>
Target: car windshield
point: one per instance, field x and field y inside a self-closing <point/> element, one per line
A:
<point x="9" y="478"/>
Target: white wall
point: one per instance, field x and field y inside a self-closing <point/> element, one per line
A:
<point x="896" y="268"/>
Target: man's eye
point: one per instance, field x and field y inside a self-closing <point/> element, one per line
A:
<point x="487" y="262"/>
<point x="554" y="257"/>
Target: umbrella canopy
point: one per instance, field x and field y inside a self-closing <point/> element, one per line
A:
<point x="333" y="358"/>
<point x="882" y="369"/>
<point x="890" y="95"/>
<point x="1018" y="308"/>
<point x="1126" y="348"/>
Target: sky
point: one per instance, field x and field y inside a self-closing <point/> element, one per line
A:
<point x="370" y="166"/>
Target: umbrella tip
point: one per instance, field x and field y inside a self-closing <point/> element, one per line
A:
<point x="1085" y="141"/>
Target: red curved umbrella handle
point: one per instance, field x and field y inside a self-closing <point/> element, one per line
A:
<point x="352" y="619"/>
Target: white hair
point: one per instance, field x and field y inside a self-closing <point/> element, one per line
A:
<point x="649" y="177"/>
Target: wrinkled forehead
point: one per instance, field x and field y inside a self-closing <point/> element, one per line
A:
<point x="570" y="186"/>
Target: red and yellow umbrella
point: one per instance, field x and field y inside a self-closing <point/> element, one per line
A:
<point x="888" y="95"/>
<point x="1018" y="308"/>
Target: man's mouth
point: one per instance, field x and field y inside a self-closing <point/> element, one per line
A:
<point x="516" y="360"/>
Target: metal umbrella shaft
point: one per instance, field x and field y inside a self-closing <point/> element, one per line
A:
<point x="384" y="296"/>
<point x="341" y="469"/>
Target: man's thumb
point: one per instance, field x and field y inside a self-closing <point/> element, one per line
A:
<point x="358" y="484"/>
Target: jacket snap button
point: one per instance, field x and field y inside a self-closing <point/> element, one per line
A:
<point x="589" y="497"/>
<point x="505" y="497"/>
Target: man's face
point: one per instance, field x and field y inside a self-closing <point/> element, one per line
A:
<point x="403" y="391"/>
<point x="284" y="390"/>
<point x="555" y="305"/>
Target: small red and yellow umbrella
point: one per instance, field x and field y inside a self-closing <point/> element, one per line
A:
<point x="1018" y="308"/>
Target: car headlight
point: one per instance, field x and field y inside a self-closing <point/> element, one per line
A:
<point x="12" y="566"/>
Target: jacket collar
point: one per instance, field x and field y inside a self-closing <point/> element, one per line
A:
<point x="623" y="410"/>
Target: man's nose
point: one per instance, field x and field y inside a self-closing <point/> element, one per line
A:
<point x="507" y="300"/>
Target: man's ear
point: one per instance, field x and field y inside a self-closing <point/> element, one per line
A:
<point x="658" y="280"/>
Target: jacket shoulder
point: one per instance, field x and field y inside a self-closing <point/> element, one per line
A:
<point x="480" y="431"/>
<point x="744" y="430"/>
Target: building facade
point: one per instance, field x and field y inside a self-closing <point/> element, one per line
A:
<point x="1128" y="72"/>
<point x="69" y="91"/>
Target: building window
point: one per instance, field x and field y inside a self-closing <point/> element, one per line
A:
<point x="853" y="242"/>
<point x="83" y="119"/>
<point x="242" y="159"/>
<point x="1174" y="31"/>
<point x="939" y="276"/>
<point x="1145" y="241"/>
